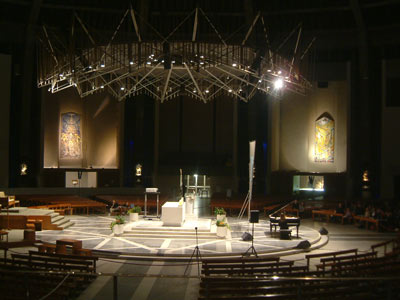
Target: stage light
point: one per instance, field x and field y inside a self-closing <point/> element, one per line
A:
<point x="278" y="84"/>
<point x="259" y="80"/>
<point x="90" y="67"/>
<point x="194" y="91"/>
<point x="131" y="62"/>
<point x="230" y="91"/>
<point x="102" y="86"/>
<point x="234" y="65"/>
<point x="279" y="72"/>
<point x="207" y="91"/>
<point x="122" y="88"/>
<point x="149" y="62"/>
<point x="102" y="65"/>
<point x="269" y="71"/>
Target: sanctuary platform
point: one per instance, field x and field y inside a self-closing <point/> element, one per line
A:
<point x="149" y="238"/>
<point x="20" y="217"/>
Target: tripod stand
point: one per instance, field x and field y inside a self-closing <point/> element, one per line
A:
<point x="196" y="253"/>
<point x="251" y="249"/>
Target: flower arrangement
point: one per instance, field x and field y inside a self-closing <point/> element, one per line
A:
<point x="223" y="223"/>
<point x="136" y="209"/>
<point x="219" y="211"/>
<point x="119" y="220"/>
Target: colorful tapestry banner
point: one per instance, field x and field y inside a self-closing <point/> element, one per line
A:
<point x="324" y="139"/>
<point x="70" y="137"/>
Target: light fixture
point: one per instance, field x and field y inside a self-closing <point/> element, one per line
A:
<point x="138" y="170"/>
<point x="207" y="91"/>
<point x="24" y="169"/>
<point x="102" y="86"/>
<point x="278" y="84"/>
<point x="122" y="88"/>
<point x="102" y="65"/>
<point x="234" y="65"/>
<point x="131" y="62"/>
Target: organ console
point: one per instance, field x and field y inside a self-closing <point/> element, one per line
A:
<point x="290" y="221"/>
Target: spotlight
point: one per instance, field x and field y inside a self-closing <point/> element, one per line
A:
<point x="122" y="88"/>
<point x="259" y="80"/>
<point x="234" y="65"/>
<point x="323" y="231"/>
<point x="230" y="91"/>
<point x="207" y="91"/>
<point x="278" y="84"/>
<point x="102" y="65"/>
<point x="279" y="72"/>
<point x="149" y="62"/>
<point x="303" y="245"/>
<point x="102" y="86"/>
<point x="131" y="62"/>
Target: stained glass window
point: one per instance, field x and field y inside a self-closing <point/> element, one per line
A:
<point x="324" y="139"/>
<point x="71" y="136"/>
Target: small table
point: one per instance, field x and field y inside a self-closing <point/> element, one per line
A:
<point x="145" y="202"/>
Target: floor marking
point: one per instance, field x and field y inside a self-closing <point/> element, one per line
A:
<point x="166" y="244"/>
<point x="101" y="244"/>
<point x="145" y="286"/>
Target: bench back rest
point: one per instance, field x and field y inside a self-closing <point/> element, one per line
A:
<point x="333" y="254"/>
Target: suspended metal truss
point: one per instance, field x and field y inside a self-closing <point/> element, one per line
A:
<point x="164" y="68"/>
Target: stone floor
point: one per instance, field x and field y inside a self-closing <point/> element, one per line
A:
<point x="166" y="279"/>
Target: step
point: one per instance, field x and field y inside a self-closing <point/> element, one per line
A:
<point x="54" y="214"/>
<point x="66" y="225"/>
<point x="210" y="236"/>
<point x="60" y="221"/>
<point x="57" y="218"/>
<point x="178" y="230"/>
<point x="170" y="231"/>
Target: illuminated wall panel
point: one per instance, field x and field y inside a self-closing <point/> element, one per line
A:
<point x="324" y="139"/>
<point x="70" y="136"/>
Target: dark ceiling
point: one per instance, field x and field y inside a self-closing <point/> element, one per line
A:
<point x="337" y="25"/>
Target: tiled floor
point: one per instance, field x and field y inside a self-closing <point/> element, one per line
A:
<point x="150" y="237"/>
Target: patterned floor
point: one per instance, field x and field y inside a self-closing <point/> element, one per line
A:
<point x="150" y="237"/>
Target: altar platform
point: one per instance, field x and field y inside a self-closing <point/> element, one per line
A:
<point x="149" y="238"/>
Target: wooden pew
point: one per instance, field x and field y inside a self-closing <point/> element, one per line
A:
<point x="341" y="260"/>
<point x="329" y="254"/>
<point x="55" y="261"/>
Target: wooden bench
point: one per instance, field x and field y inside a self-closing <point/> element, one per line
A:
<point x="4" y="233"/>
<point x="323" y="212"/>
<point x="329" y="254"/>
<point x="55" y="261"/>
<point x="367" y="221"/>
<point x="340" y="260"/>
<point x="395" y="246"/>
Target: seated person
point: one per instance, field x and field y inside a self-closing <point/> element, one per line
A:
<point x="283" y="222"/>
<point x="348" y="216"/>
<point x="124" y="208"/>
<point x="114" y="206"/>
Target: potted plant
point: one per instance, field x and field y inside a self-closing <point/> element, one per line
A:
<point x="220" y="213"/>
<point x="117" y="226"/>
<point x="134" y="213"/>
<point x="222" y="228"/>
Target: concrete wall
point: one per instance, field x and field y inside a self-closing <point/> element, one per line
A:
<point x="99" y="123"/>
<point x="293" y="128"/>
<point x="5" y="89"/>
<point x="390" y="142"/>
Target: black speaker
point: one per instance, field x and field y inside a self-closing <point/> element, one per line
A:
<point x="254" y="216"/>
<point x="323" y="231"/>
<point x="303" y="245"/>
<point x="247" y="236"/>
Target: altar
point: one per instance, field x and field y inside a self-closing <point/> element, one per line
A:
<point x="173" y="214"/>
